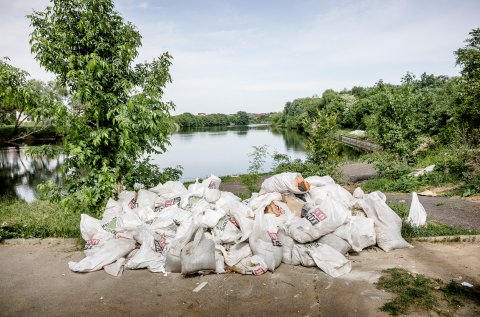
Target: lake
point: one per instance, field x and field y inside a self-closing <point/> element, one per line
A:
<point x="201" y="152"/>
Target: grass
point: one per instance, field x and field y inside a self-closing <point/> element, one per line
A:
<point x="40" y="219"/>
<point x="432" y="229"/>
<point x="421" y="293"/>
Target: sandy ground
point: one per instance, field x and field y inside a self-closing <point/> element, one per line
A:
<point x="35" y="281"/>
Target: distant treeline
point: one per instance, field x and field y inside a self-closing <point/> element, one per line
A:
<point x="220" y="119"/>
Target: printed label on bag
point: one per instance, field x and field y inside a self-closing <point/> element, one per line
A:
<point x="212" y="184"/>
<point x="316" y="216"/>
<point x="133" y="203"/>
<point x="259" y="271"/>
<point x="89" y="244"/>
<point x="233" y="220"/>
<point x="168" y="203"/>
<point x="111" y="226"/>
<point x="311" y="245"/>
<point x="222" y="223"/>
<point x="275" y="238"/>
<point x="160" y="244"/>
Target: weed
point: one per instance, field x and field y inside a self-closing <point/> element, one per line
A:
<point x="439" y="204"/>
<point x="422" y="293"/>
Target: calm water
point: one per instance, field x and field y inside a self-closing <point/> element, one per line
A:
<point x="201" y="152"/>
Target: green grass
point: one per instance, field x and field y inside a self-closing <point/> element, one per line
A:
<point x="40" y="219"/>
<point x="432" y="229"/>
<point x="420" y="293"/>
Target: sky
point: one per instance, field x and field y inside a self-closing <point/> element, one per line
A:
<point x="257" y="55"/>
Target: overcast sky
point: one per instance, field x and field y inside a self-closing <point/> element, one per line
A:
<point x="257" y="55"/>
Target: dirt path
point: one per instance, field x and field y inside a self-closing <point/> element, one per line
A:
<point x="35" y="281"/>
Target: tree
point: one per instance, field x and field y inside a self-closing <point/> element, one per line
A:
<point x="115" y="115"/>
<point x="467" y="108"/>
<point x="23" y="100"/>
<point x="242" y="118"/>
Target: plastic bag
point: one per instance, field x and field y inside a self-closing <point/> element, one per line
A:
<point x="336" y="242"/>
<point x="112" y="210"/>
<point x="317" y="181"/>
<point x="235" y="253"/>
<point x="213" y="182"/>
<point x="199" y="254"/>
<point x="359" y="232"/>
<point x="417" y="216"/>
<point x="285" y="183"/>
<point x="330" y="260"/>
<point x="226" y="230"/>
<point x="252" y="265"/>
<point x="116" y="268"/>
<point x="319" y="221"/>
<point x="264" y="239"/>
<point x="109" y="252"/>
<point x="388" y="224"/>
<point x="146" y="198"/>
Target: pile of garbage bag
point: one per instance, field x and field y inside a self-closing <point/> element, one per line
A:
<point x="297" y="221"/>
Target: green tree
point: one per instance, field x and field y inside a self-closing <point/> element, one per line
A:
<point x="115" y="115"/>
<point x="23" y="100"/>
<point x="242" y="118"/>
<point x="467" y="108"/>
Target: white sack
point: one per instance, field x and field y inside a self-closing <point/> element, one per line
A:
<point x="235" y="253"/>
<point x="264" y="239"/>
<point x="213" y="182"/>
<point x="262" y="201"/>
<point x="332" y="191"/>
<point x="330" y="260"/>
<point x="225" y="231"/>
<point x="317" y="181"/>
<point x="359" y="231"/>
<point x="146" y="198"/>
<point x="287" y="246"/>
<point x="212" y="195"/>
<point x="112" y="210"/>
<point x="388" y="224"/>
<point x="116" y="268"/>
<point x="109" y="252"/>
<point x="199" y="254"/>
<point x="253" y="265"/>
<point x="127" y="199"/>
<point x="300" y="255"/>
<point x="284" y="183"/>
<point x="319" y="221"/>
<point x="336" y="242"/>
<point x="170" y="189"/>
<point x="219" y="262"/>
<point x="417" y="216"/>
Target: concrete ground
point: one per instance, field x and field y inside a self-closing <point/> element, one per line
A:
<point x="35" y="281"/>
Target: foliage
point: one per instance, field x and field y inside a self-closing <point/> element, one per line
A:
<point x="22" y="100"/>
<point x="186" y="120"/>
<point x="467" y="108"/>
<point x="257" y="158"/>
<point x="422" y="293"/>
<point x="40" y="219"/>
<point x="115" y="114"/>
<point x="241" y="118"/>
<point x="283" y="163"/>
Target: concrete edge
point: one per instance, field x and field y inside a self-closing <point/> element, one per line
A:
<point x="458" y="238"/>
<point x="41" y="242"/>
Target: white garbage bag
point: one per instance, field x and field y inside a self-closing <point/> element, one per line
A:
<point x="319" y="221"/>
<point x="301" y="256"/>
<point x="109" y="252"/>
<point x="199" y="254"/>
<point x="112" y="210"/>
<point x="265" y="241"/>
<point x="128" y="199"/>
<point x="330" y="260"/>
<point x="212" y="195"/>
<point x="146" y="198"/>
<point x="226" y="231"/>
<point x="417" y="216"/>
<point x="388" y="224"/>
<point x="213" y="182"/>
<point x="332" y="191"/>
<point x="287" y="246"/>
<point x="285" y="183"/>
<point x="116" y="268"/>
<point x="359" y="231"/>
<point x="170" y="189"/>
<point x="219" y="262"/>
<point x="252" y="265"/>
<point x="317" y="181"/>
<point x="262" y="201"/>
<point x="235" y="253"/>
<point x="336" y="242"/>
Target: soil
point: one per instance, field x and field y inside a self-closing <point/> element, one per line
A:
<point x="35" y="281"/>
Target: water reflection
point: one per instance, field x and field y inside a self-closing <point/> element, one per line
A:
<point x="20" y="174"/>
<point x="200" y="151"/>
